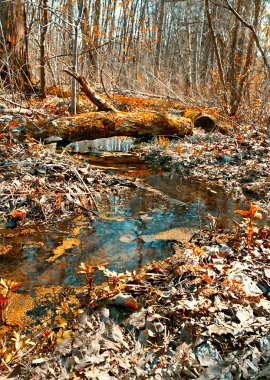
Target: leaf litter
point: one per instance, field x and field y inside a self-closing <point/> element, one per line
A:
<point x="202" y="313"/>
<point x="39" y="184"/>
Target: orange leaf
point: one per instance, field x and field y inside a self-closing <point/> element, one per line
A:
<point x="18" y="214"/>
<point x="13" y="123"/>
<point x="132" y="305"/>
<point x="253" y="209"/>
<point x="242" y="212"/>
<point x="239" y="138"/>
<point x="207" y="279"/>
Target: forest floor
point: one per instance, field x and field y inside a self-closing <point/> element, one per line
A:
<point x="201" y="314"/>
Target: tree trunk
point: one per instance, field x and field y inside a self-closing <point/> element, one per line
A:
<point x="94" y="125"/>
<point x="159" y="36"/>
<point x="217" y="55"/>
<point x="14" y="68"/>
<point x="44" y="27"/>
<point x="97" y="100"/>
<point x="248" y="61"/>
<point x="76" y="22"/>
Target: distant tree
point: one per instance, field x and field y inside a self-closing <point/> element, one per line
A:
<point x="44" y="27"/>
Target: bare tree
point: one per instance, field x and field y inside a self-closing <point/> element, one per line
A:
<point x="212" y="50"/>
<point x="44" y="28"/>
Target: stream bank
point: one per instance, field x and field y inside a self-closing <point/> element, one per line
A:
<point x="202" y="313"/>
<point x="133" y="202"/>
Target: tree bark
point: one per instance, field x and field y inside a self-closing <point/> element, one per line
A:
<point x="76" y="21"/>
<point x="248" y="61"/>
<point x="159" y="36"/>
<point x="94" y="125"/>
<point x="13" y="50"/>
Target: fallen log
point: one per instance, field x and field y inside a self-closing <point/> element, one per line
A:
<point x="94" y="125"/>
<point x="200" y="120"/>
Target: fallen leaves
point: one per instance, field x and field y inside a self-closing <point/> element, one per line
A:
<point x="5" y="249"/>
<point x="37" y="184"/>
<point x="67" y="244"/>
<point x="203" y="313"/>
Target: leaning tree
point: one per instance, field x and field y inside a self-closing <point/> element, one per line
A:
<point x="14" y="68"/>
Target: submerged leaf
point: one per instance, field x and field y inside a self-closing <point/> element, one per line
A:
<point x="60" y="250"/>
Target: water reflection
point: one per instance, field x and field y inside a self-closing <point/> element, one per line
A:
<point x="115" y="236"/>
<point x="210" y="198"/>
<point x="111" y="144"/>
<point x="163" y="201"/>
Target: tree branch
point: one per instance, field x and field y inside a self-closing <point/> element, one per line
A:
<point x="97" y="100"/>
<point x="250" y="27"/>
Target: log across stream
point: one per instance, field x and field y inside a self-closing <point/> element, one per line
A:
<point x="129" y="231"/>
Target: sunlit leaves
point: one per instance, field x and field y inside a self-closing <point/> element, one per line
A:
<point x="8" y="285"/>
<point x="63" y="334"/>
<point x="87" y="269"/>
<point x="251" y="213"/>
<point x="114" y="277"/>
<point x="248" y="222"/>
<point x="6" y="288"/>
<point x="14" y="347"/>
<point x="20" y="341"/>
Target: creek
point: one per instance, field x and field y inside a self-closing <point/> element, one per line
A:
<point x="123" y="233"/>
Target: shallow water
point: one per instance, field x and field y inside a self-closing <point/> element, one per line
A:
<point x="118" y="235"/>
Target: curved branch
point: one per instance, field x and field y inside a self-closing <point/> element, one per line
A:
<point x="97" y="100"/>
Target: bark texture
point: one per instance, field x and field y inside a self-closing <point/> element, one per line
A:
<point x="13" y="47"/>
<point x="94" y="125"/>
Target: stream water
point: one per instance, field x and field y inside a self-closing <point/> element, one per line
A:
<point x="122" y="235"/>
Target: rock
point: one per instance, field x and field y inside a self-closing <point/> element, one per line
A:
<point x="227" y="159"/>
<point x="124" y="300"/>
<point x="127" y="238"/>
<point x="52" y="139"/>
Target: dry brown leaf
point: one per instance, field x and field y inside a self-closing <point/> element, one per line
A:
<point x="4" y="249"/>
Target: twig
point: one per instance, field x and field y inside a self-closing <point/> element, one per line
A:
<point x="103" y="86"/>
<point x="158" y="80"/>
<point x="88" y="50"/>
<point x="86" y="187"/>
<point x="16" y="110"/>
<point x="22" y="108"/>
